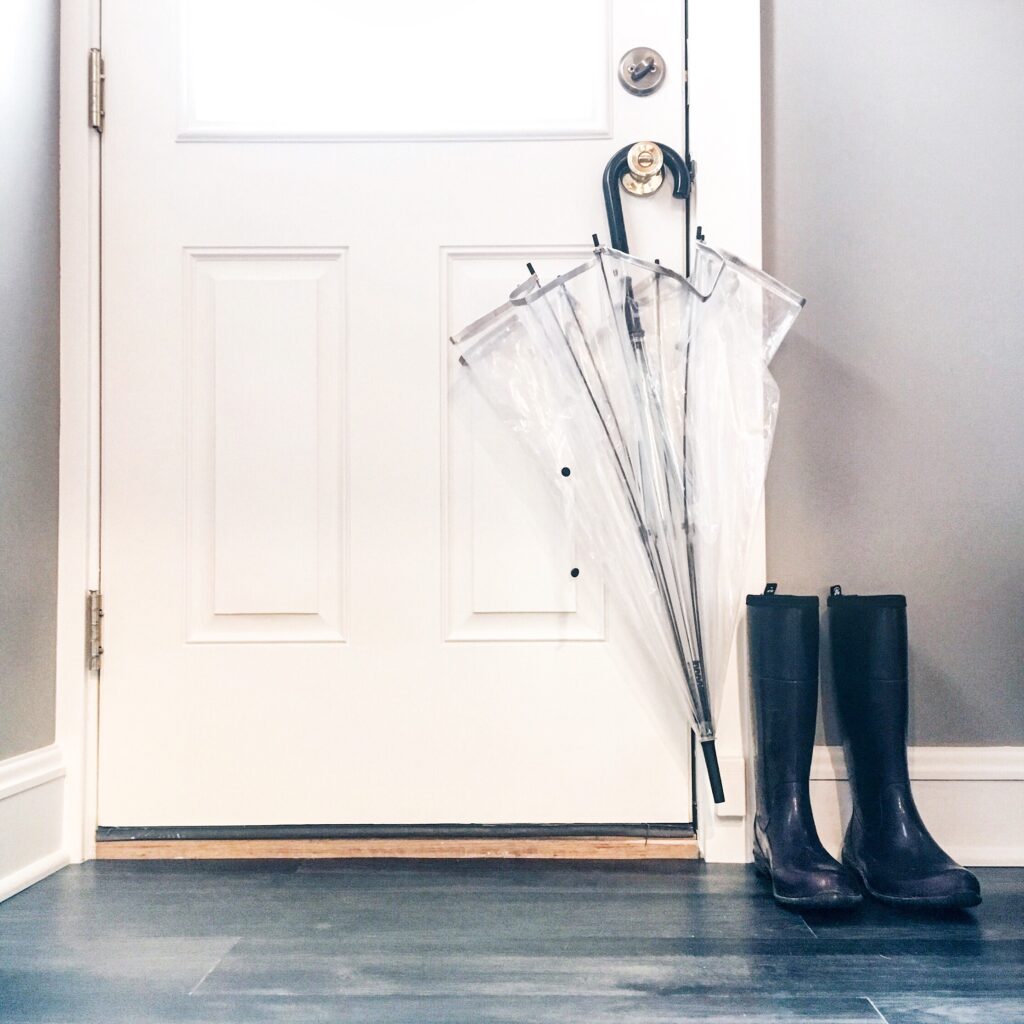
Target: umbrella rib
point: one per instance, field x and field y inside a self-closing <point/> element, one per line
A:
<point x="604" y="387"/>
<point x="694" y="663"/>
<point x="653" y="555"/>
<point x="691" y="552"/>
<point x="694" y="672"/>
<point x="698" y="668"/>
<point x="634" y="508"/>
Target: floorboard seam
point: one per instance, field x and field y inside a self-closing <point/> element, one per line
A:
<point x="881" y="1016"/>
<point x="195" y="988"/>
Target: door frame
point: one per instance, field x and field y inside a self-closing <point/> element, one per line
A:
<point x="78" y="537"/>
<point x="724" y="58"/>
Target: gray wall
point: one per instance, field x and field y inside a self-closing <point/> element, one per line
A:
<point x="894" y="200"/>
<point x="28" y="371"/>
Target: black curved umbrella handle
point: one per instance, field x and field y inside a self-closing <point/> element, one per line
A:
<point x="613" y="172"/>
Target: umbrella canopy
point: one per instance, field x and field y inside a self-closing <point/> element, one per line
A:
<point x="647" y="402"/>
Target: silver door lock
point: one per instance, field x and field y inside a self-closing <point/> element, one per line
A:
<point x="641" y="71"/>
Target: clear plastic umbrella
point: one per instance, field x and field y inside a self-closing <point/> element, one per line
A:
<point x="646" y="400"/>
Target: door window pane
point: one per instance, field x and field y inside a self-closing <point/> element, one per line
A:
<point x="402" y="69"/>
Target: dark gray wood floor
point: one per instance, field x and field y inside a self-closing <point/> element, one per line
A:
<point x="481" y="941"/>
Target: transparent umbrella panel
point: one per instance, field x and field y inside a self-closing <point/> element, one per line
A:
<point x="654" y="392"/>
<point x="729" y="412"/>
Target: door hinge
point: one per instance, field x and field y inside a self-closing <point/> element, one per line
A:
<point x="95" y="606"/>
<point x="96" y="89"/>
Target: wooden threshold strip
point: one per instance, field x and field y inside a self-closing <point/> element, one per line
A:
<point x="563" y="848"/>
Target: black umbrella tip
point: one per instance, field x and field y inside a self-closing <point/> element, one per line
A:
<point x="529" y="267"/>
<point x="714" y="772"/>
<point x="597" y="243"/>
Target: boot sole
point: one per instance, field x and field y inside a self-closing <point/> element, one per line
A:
<point x="961" y="901"/>
<point x="818" y="902"/>
<point x="823" y="902"/>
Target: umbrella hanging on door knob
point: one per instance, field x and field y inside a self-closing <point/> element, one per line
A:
<point x="653" y="392"/>
<point x="639" y="168"/>
<point x="646" y="400"/>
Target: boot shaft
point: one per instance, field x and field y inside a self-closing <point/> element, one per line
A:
<point x="868" y="649"/>
<point x="782" y="645"/>
<point x="782" y="636"/>
<point x="868" y="636"/>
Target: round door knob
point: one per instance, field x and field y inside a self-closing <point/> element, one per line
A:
<point x="645" y="163"/>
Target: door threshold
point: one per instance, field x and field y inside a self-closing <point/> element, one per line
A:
<point x="568" y="848"/>
<point x="568" y="842"/>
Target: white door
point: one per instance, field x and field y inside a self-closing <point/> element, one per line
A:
<point x="325" y="601"/>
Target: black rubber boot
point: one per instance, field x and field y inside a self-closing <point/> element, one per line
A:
<point x="782" y="641"/>
<point x="886" y="843"/>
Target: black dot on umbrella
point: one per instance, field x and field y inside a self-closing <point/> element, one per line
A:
<point x="566" y="471"/>
<point x="574" y="573"/>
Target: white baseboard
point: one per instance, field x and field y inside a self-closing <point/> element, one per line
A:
<point x="31" y="818"/>
<point x="971" y="799"/>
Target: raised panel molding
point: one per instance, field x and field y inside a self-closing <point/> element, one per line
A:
<point x="509" y="546"/>
<point x="265" y="419"/>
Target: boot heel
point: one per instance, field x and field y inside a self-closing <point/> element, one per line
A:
<point x="855" y="872"/>
<point x="761" y="865"/>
